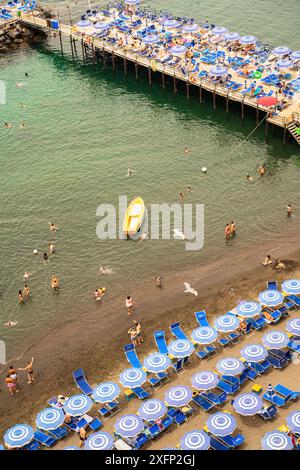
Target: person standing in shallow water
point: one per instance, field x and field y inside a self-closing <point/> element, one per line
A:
<point x="29" y="371"/>
<point x="129" y="305"/>
<point x="289" y="210"/>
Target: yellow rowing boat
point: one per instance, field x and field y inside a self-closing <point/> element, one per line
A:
<point x="134" y="216"/>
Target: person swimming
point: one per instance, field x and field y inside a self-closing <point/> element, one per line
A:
<point x="54" y="282"/>
<point x="8" y="125"/>
<point x="10" y="324"/>
<point x="249" y="178"/>
<point x="53" y="227"/>
<point x="22" y="125"/>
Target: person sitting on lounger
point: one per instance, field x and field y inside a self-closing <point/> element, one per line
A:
<point x="268" y="317"/>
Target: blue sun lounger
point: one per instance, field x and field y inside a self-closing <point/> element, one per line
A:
<point x="177" y="331"/>
<point x="272" y="285"/>
<point x="44" y="439"/>
<point x="60" y="432"/>
<point x="294" y="299"/>
<point x="286" y="392"/>
<point x="203" y="403"/>
<point x="33" y="445"/>
<point x="140" y="393"/>
<point x="201" y="318"/>
<point x="160" y="340"/>
<point x="294" y="346"/>
<point x="140" y="441"/>
<point x="81" y="382"/>
<point x="275" y="399"/>
<point x="227" y="387"/>
<point x="216" y="444"/>
<point x="215" y="398"/>
<point x="131" y="356"/>
<point x="268" y="413"/>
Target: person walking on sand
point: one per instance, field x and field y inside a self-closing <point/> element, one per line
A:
<point x="26" y="291"/>
<point x="11" y="385"/>
<point x="133" y="336"/>
<point x="129" y="305"/>
<point x="29" y="371"/>
<point x="139" y="337"/>
<point x="13" y="374"/>
<point x="289" y="210"/>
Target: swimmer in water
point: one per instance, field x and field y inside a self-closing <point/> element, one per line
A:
<point x="8" y="125"/>
<point x="186" y="151"/>
<point x="26" y="275"/>
<point x="20" y="297"/>
<point x="54" y="282"/>
<point x="189" y="189"/>
<point x="19" y="85"/>
<point x="249" y="178"/>
<point x="26" y="291"/>
<point x="22" y="105"/>
<point x="105" y="270"/>
<point x="158" y="280"/>
<point x="22" y="125"/>
<point x="129" y="172"/>
<point x="46" y="259"/>
<point x="10" y="324"/>
<point x="53" y="227"/>
<point x="26" y="74"/>
<point x="181" y="196"/>
<point x="262" y="170"/>
<point x="289" y="210"/>
<point x="51" y="248"/>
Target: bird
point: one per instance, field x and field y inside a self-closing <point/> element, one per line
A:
<point x="178" y="234"/>
<point x="189" y="289"/>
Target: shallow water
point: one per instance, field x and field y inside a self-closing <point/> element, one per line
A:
<point x="85" y="127"/>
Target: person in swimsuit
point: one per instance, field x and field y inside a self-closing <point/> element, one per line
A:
<point x="232" y="229"/>
<point x="262" y="170"/>
<point x="186" y="151"/>
<point x="13" y="374"/>
<point x="138" y="328"/>
<point x="51" y="248"/>
<point x="53" y="227"/>
<point x="129" y="305"/>
<point x="82" y="436"/>
<point x="11" y="385"/>
<point x="26" y="291"/>
<point x="29" y="371"/>
<point x="46" y="259"/>
<point x="54" y="282"/>
<point x="227" y="232"/>
<point x="20" y="298"/>
<point x="289" y="210"/>
<point x="133" y="336"/>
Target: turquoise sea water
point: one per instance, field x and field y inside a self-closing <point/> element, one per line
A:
<point x="85" y="127"/>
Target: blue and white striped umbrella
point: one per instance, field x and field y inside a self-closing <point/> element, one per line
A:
<point x="254" y="353"/>
<point x="78" y="405"/>
<point x="151" y="39"/>
<point x="226" y="323"/>
<point x="248" y="40"/>
<point x="178" y="49"/>
<point x="133" y="377"/>
<point x="293" y="326"/>
<point x="230" y="366"/>
<point x="221" y="424"/>
<point x="293" y="421"/>
<point x="71" y="448"/>
<point x="102" y="26"/>
<point x="275" y="339"/>
<point x="232" y="36"/>
<point x="205" y="380"/>
<point x="181" y="348"/>
<point x="295" y="55"/>
<point x="19" y="435"/>
<point x="219" y="30"/>
<point x="152" y="409"/>
<point x="195" y="440"/>
<point x="292" y="286"/>
<point x="99" y="441"/>
<point x="84" y="24"/>
<point x="248" y="309"/>
<point x="270" y="298"/>
<point x="204" y="335"/>
<point x="276" y="440"/>
<point x="50" y="418"/>
<point x="129" y="425"/>
<point x="248" y="404"/>
<point x="171" y="23"/>
<point x="105" y="392"/>
<point x="190" y="28"/>
<point x="281" y="50"/>
<point x="218" y="71"/>
<point x="178" y="396"/>
<point x="285" y="63"/>
<point x="157" y="362"/>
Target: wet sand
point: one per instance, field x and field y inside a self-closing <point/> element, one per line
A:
<point x="96" y="345"/>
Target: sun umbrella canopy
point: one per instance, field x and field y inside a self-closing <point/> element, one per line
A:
<point x="133" y="377"/>
<point x="227" y="323"/>
<point x="171" y="23"/>
<point x="271" y="298"/>
<point x="232" y="36"/>
<point x="181" y="348"/>
<point x="178" y="49"/>
<point x="50" y="418"/>
<point x="219" y="30"/>
<point x="205" y="380"/>
<point x="275" y="339"/>
<point x="78" y="405"/>
<point x="285" y="63"/>
<point x="151" y="39"/>
<point x="99" y="441"/>
<point x="248" y="404"/>
<point x="71" y="448"/>
<point x="230" y="366"/>
<point x="281" y="50"/>
<point x="293" y="421"/>
<point x="190" y="28"/>
<point x="132" y="2"/>
<point x="18" y="436"/>
<point x="178" y="396"/>
<point x="221" y="424"/>
<point x="254" y="352"/>
<point x="276" y="440"/>
<point x="267" y="101"/>
<point x="101" y="26"/>
<point x="157" y="362"/>
<point x="248" y="40"/>
<point x="295" y="55"/>
<point x="105" y="392"/>
<point x="218" y="71"/>
<point x="195" y="440"/>
<point x="129" y="425"/>
<point x="293" y="326"/>
<point x="204" y="335"/>
<point x="84" y="24"/>
<point x="248" y="309"/>
<point x="152" y="409"/>
<point x="292" y="286"/>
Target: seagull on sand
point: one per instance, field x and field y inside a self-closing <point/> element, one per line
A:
<point x="189" y="289"/>
<point x="178" y="234"/>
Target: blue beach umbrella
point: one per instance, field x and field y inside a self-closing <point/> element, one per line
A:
<point x="205" y="380"/>
<point x="204" y="335"/>
<point x="50" y="418"/>
<point x="195" y="440"/>
<point x="157" y="362"/>
<point x="281" y="50"/>
<point x="221" y="424"/>
<point x="295" y="55"/>
<point x="102" y="26"/>
<point x="275" y="339"/>
<point x="171" y="23"/>
<point x="285" y="63"/>
<point x="232" y="37"/>
<point x="248" y="309"/>
<point x="78" y="405"/>
<point x="178" y="396"/>
<point x="276" y="440"/>
<point x="84" y="24"/>
<point x="151" y="39"/>
<point x="254" y="352"/>
<point x="227" y="323"/>
<point x="19" y="435"/>
<point x="129" y="425"/>
<point x="99" y="441"/>
<point x="292" y="286"/>
<point x="190" y="28"/>
<point x="218" y="71"/>
<point x="248" y="404"/>
<point x="293" y="421"/>
<point x="178" y="49"/>
<point x="219" y="30"/>
<point x="132" y="2"/>
<point x="181" y="348"/>
<point x="293" y="326"/>
<point x="230" y="366"/>
<point x="105" y="392"/>
<point x="71" y="448"/>
<point x="133" y="377"/>
<point x="152" y="409"/>
<point x="270" y="298"/>
<point x="248" y="40"/>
